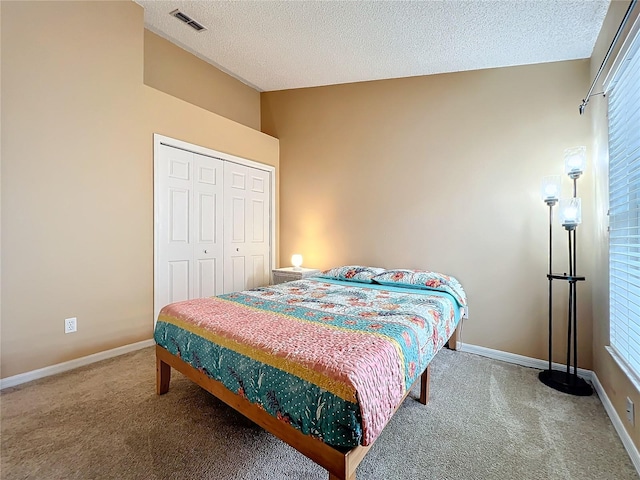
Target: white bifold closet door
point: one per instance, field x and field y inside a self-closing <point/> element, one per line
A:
<point x="190" y="226"/>
<point x="247" y="230"/>
<point x="213" y="226"/>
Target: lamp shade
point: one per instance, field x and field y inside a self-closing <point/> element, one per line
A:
<point x="550" y="190"/>
<point x="296" y="260"/>
<point x="570" y="212"/>
<point x="575" y="160"/>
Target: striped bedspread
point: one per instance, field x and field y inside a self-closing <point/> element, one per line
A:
<point x="334" y="359"/>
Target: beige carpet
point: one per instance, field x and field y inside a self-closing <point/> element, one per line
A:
<point x="485" y="420"/>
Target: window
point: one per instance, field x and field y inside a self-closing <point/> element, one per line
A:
<point x="624" y="204"/>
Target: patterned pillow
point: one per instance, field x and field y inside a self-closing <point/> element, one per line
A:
<point x="352" y="273"/>
<point x="423" y="279"/>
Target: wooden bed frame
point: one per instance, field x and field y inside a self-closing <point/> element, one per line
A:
<point x="340" y="463"/>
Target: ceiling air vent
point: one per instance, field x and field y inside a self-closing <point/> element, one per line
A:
<point x="188" y="20"/>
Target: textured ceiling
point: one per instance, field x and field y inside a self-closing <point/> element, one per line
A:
<point x="277" y="45"/>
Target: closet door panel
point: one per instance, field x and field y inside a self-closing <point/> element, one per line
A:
<point x="258" y="277"/>
<point x="175" y="255"/>
<point x="179" y="278"/>
<point x="247" y="217"/>
<point x="208" y="228"/>
<point x="206" y="279"/>
<point x="258" y="233"/>
<point x="238" y="222"/>
<point x="237" y="279"/>
<point x="190" y="226"/>
<point x="260" y="230"/>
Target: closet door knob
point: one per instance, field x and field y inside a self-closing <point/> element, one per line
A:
<point x="237" y="249"/>
<point x="206" y="251"/>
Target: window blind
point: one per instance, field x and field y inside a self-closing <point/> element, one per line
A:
<point x="624" y="207"/>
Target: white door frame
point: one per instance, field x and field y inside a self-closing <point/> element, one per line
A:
<point x="172" y="142"/>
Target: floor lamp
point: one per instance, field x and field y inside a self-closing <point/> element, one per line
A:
<point x="566" y="380"/>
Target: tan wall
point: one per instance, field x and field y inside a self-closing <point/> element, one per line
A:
<point x="77" y="177"/>
<point x="440" y="172"/>
<point x="615" y="383"/>
<point x="177" y="72"/>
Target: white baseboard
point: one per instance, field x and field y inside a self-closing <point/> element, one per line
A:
<point x="586" y="374"/>
<point x="518" y="359"/>
<point x="71" y="364"/>
<point x="617" y="423"/>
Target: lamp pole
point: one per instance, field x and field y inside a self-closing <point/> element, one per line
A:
<point x="551" y="203"/>
<point x="571" y="313"/>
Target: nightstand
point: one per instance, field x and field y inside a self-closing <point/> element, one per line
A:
<point x="287" y="274"/>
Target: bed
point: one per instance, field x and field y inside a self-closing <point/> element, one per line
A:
<point x="322" y="363"/>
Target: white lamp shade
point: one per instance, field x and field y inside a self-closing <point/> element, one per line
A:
<point x="550" y="190"/>
<point x="296" y="260"/>
<point x="570" y="212"/>
<point x="575" y="160"/>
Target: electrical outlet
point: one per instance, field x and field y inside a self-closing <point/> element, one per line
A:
<point x="70" y="325"/>
<point x="630" y="411"/>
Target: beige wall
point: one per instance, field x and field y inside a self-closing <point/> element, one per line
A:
<point x="177" y="72"/>
<point x="440" y="172"/>
<point x="77" y="177"/>
<point x="613" y="380"/>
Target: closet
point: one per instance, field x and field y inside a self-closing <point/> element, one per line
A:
<point x="213" y="227"/>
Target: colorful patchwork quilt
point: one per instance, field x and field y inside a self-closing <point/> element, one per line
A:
<point x="332" y="358"/>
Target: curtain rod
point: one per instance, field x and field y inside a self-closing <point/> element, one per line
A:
<point x="585" y="100"/>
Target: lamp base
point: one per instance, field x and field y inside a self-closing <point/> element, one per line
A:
<point x="571" y="384"/>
